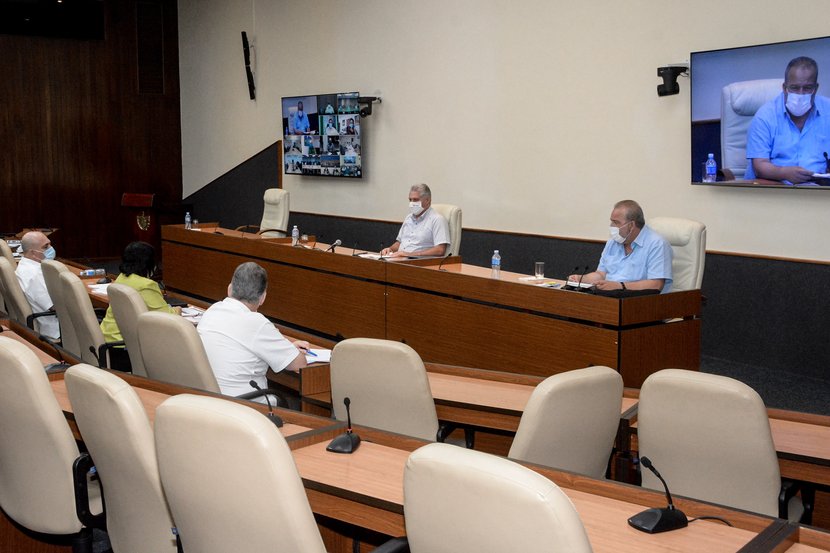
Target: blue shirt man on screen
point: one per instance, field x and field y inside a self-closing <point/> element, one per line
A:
<point x="789" y="134"/>
<point x="635" y="258"/>
<point x="301" y="123"/>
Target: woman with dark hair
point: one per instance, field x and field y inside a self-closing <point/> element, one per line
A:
<point x="138" y="264"/>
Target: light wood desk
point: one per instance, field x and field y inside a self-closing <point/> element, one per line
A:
<point x="42" y="356"/>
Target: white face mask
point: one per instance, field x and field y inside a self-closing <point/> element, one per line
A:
<point x="415" y="208"/>
<point x="615" y="234"/>
<point x="799" y="104"/>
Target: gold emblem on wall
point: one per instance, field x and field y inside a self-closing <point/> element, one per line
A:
<point x="143" y="221"/>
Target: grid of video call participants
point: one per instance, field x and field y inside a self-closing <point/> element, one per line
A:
<point x="321" y="135"/>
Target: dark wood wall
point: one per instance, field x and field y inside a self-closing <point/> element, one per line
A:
<point x="82" y="121"/>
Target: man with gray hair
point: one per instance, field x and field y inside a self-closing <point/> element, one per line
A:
<point x="424" y="231"/>
<point x="241" y="344"/>
<point x="634" y="258"/>
<point x="36" y="247"/>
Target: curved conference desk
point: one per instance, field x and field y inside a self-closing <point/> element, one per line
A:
<point x="449" y="312"/>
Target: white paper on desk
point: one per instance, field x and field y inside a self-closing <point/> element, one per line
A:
<point x="323" y="356"/>
<point x="98" y="288"/>
<point x="369" y="255"/>
<point x="191" y="311"/>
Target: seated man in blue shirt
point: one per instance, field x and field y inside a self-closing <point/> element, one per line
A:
<point x="635" y="258"/>
<point x="424" y="231"/>
<point x="789" y="134"/>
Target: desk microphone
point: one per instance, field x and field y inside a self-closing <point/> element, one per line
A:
<point x="656" y="520"/>
<point x="347" y="442"/>
<point x="442" y="262"/>
<point x="273" y="417"/>
<point x="354" y="251"/>
<point x="334" y="245"/>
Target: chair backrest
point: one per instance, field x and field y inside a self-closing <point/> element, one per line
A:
<point x="216" y="458"/>
<point x="52" y="276"/>
<point x="387" y="384"/>
<point x="6" y="251"/>
<point x="172" y="351"/>
<point x="275" y="211"/>
<point x="452" y="213"/>
<point x="709" y="436"/>
<point x="571" y="420"/>
<point x="459" y="500"/>
<point x="127" y="305"/>
<point x="17" y="306"/>
<point x="739" y="102"/>
<point x="36" y="446"/>
<point x="82" y="315"/>
<point x="117" y="432"/>
<point x="688" y="244"/>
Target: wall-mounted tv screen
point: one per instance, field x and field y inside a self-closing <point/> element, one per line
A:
<point x="760" y="133"/>
<point x="321" y="135"/>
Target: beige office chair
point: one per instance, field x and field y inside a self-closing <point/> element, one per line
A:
<point x="452" y="213"/>
<point x="387" y="384"/>
<point x="37" y="451"/>
<point x="709" y="436"/>
<point x="274" y="214"/>
<point x="458" y="501"/>
<point x="17" y="306"/>
<point x="118" y="434"/>
<point x="51" y="275"/>
<point x="571" y="420"/>
<point x="739" y="102"/>
<point x="688" y="243"/>
<point x="127" y="305"/>
<point x="249" y="497"/>
<point x="93" y="348"/>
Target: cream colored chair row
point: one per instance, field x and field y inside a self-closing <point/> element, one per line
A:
<point x="16" y="304"/>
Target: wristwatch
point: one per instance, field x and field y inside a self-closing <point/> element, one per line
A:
<point x="623" y="285"/>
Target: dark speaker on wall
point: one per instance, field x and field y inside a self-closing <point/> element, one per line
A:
<point x="246" y="49"/>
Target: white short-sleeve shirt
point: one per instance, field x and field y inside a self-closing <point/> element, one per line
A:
<point x="428" y="230"/>
<point x="241" y="344"/>
<point x="30" y="276"/>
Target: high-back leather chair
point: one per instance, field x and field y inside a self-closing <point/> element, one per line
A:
<point x="6" y="251"/>
<point x="739" y="102"/>
<point x="172" y="351"/>
<point x="452" y="213"/>
<point x="387" y="384"/>
<point x="17" y="306"/>
<point x="688" y="243"/>
<point x="52" y="276"/>
<point x="249" y="497"/>
<point x="37" y="450"/>
<point x="571" y="420"/>
<point x="127" y="305"/>
<point x="458" y="500"/>
<point x="91" y="343"/>
<point x="709" y="436"/>
<point x="117" y="432"/>
<point x="276" y="208"/>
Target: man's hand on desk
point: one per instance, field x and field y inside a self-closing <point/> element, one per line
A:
<point x="608" y="285"/>
<point x="302" y="345"/>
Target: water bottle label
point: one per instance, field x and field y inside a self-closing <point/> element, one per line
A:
<point x="496" y="263"/>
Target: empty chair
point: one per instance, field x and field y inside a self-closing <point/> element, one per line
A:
<point x="127" y="305"/>
<point x="688" y="244"/>
<point x="452" y="213"/>
<point x="709" y="436"/>
<point x="93" y="348"/>
<point x="117" y="432"/>
<point x="37" y="450"/>
<point x="387" y="384"/>
<point x="276" y="204"/>
<point x="249" y="497"/>
<point x="51" y="275"/>
<point x="457" y="501"/>
<point x="571" y="420"/>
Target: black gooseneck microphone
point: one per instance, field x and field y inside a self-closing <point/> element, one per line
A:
<point x="347" y="442"/>
<point x="273" y="417"/>
<point x="334" y="245"/>
<point x="581" y="276"/>
<point x="655" y="520"/>
<point x="442" y="262"/>
<point x="354" y="251"/>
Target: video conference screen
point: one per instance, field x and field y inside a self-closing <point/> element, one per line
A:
<point x="729" y="86"/>
<point x="321" y="135"/>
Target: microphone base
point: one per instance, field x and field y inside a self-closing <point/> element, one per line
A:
<point x="275" y="419"/>
<point x="344" y="443"/>
<point x="654" y="521"/>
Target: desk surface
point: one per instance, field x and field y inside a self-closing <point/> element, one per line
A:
<point x="42" y="356"/>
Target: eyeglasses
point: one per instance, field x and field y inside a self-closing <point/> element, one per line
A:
<point x="801" y="89"/>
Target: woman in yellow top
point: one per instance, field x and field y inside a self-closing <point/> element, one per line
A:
<point x="138" y="264"/>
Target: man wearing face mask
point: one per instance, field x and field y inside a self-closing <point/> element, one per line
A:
<point x="37" y="247"/>
<point x="635" y="258"/>
<point x="301" y="122"/>
<point x="424" y="231"/>
<point x="789" y="134"/>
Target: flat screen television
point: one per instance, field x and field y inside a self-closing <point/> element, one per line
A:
<point x="321" y="135"/>
<point x="727" y="88"/>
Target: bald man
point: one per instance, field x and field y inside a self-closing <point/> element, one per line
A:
<point x="37" y="247"/>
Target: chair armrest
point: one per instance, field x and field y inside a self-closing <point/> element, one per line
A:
<point x="80" y="469"/>
<point x="100" y="313"/>
<point x="30" y="320"/>
<point x="280" y="231"/>
<point x="395" y="545"/>
<point x="789" y="489"/>
<point x="101" y="354"/>
<point x="281" y="401"/>
<point x="248" y="228"/>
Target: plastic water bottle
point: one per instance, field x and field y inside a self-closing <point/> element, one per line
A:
<point x="711" y="169"/>
<point x="188" y="222"/>
<point x="295" y="235"/>
<point x="495" y="264"/>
